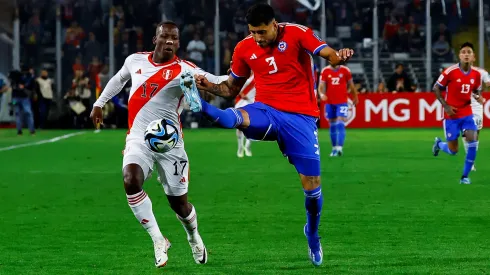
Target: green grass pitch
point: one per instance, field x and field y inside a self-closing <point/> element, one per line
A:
<point x="389" y="208"/>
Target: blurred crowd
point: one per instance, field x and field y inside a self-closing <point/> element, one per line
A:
<point x="85" y="42"/>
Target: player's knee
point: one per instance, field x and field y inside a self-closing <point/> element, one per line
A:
<point x="310" y="182"/>
<point x="133" y="181"/>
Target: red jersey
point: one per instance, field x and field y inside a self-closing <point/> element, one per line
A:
<point x="284" y="77"/>
<point x="336" y="81"/>
<point x="459" y="88"/>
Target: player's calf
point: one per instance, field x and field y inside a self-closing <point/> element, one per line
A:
<point x="228" y="118"/>
<point x="186" y="214"/>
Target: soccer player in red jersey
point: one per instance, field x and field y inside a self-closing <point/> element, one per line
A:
<point x="461" y="82"/>
<point x="285" y="108"/>
<point x="333" y="88"/>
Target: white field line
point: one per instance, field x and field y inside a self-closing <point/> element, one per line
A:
<point x="55" y="139"/>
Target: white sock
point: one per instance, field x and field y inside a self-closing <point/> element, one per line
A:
<point x="140" y="203"/>
<point x="190" y="224"/>
<point x="338" y="148"/>
<point x="240" y="138"/>
<point x="465" y="145"/>
<point x="248" y="144"/>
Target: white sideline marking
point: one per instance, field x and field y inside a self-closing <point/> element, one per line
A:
<point x="55" y="139"/>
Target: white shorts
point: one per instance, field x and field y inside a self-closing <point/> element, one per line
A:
<point x="172" y="167"/>
<point x="478" y="117"/>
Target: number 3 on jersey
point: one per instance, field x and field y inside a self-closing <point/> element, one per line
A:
<point x="272" y="62"/>
<point x="154" y="88"/>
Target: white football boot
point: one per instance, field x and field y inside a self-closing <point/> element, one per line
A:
<point x="161" y="248"/>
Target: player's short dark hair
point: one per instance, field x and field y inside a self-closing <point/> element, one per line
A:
<point x="399" y="65"/>
<point x="168" y="23"/>
<point x="467" y="44"/>
<point x="259" y="14"/>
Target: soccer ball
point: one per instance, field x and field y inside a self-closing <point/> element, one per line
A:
<point x="161" y="135"/>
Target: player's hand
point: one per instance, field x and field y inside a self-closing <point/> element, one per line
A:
<point x="450" y="110"/>
<point x="203" y="83"/>
<point x="355" y="101"/>
<point x="97" y="117"/>
<point x="323" y="97"/>
<point x="345" y="54"/>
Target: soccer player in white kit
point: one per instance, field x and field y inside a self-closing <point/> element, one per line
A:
<point x="477" y="108"/>
<point x="156" y="94"/>
<point x="245" y="97"/>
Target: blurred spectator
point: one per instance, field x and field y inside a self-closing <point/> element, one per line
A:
<point x="195" y="49"/>
<point x="442" y="31"/>
<point x="21" y="101"/>
<point x="94" y="68"/>
<point x="381" y="88"/>
<point x="78" y="65"/>
<point x="74" y="35"/>
<point x="415" y="39"/>
<point x="77" y="109"/>
<point x="44" y="91"/>
<point x="390" y="32"/>
<point x="399" y="81"/>
<point x="442" y="49"/>
<point x="92" y="48"/>
<point x="81" y="85"/>
<point x="226" y="54"/>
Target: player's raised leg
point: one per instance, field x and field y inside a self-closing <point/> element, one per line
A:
<point x="173" y="171"/>
<point x="141" y="205"/>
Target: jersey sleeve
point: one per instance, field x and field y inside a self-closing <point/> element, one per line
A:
<point x="348" y="75"/>
<point x="216" y="79"/>
<point x="443" y="80"/>
<point x="115" y="84"/>
<point x="309" y="41"/>
<point x="239" y="68"/>
<point x="485" y="77"/>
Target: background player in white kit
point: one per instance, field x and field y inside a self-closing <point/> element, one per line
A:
<point x="156" y="94"/>
<point x="245" y="97"/>
<point x="477" y="108"/>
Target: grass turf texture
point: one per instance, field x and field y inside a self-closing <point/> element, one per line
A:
<point x="389" y="207"/>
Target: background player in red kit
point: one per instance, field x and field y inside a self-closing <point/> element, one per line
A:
<point x="333" y="88"/>
<point x="285" y="108"/>
<point x="461" y="81"/>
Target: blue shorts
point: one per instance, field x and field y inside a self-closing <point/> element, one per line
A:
<point x="453" y="127"/>
<point x="336" y="110"/>
<point x="296" y="135"/>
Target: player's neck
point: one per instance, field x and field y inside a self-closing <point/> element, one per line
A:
<point x="465" y="67"/>
<point x="160" y="59"/>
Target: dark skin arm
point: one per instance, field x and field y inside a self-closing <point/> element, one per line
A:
<point x="450" y="110"/>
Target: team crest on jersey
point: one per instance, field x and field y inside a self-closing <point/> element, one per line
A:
<point x="167" y="74"/>
<point x="472" y="81"/>
<point x="282" y="46"/>
<point x="341" y="75"/>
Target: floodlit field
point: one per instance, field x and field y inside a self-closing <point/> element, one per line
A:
<point x="390" y="208"/>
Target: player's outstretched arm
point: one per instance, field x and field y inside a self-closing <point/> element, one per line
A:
<point x="336" y="57"/>
<point x="227" y="89"/>
<point x="113" y="87"/>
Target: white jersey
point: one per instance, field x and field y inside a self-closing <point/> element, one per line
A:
<point x="249" y="91"/>
<point x="155" y="91"/>
<point x="476" y="107"/>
